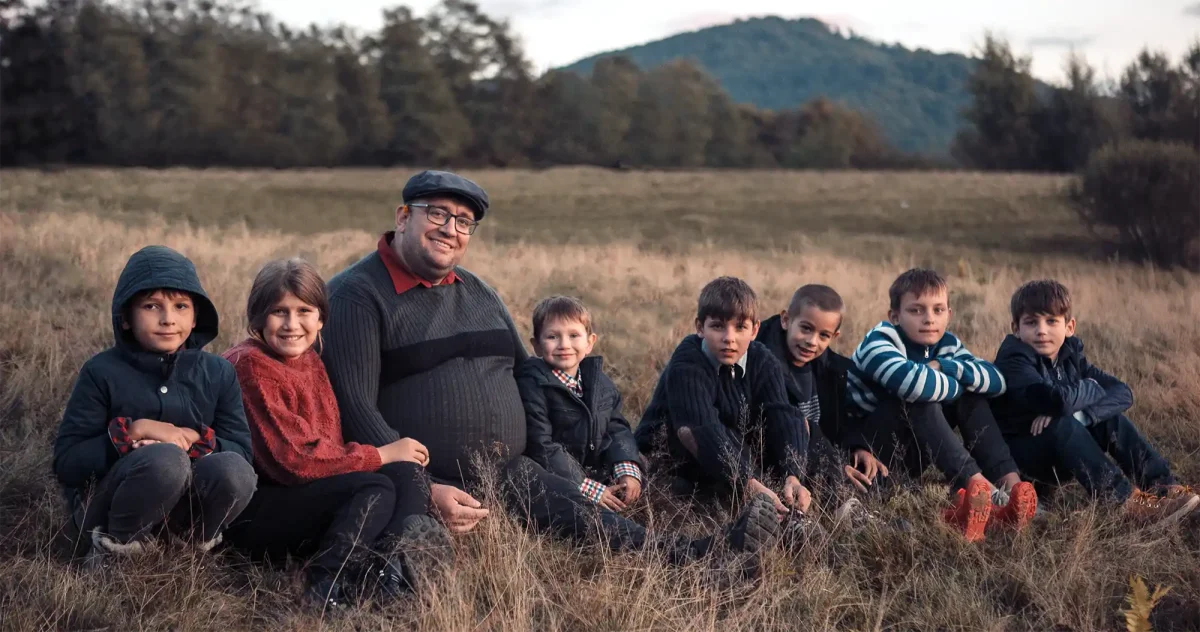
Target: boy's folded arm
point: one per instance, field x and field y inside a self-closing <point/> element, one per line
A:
<point x="229" y="431"/>
<point x="787" y="433"/>
<point x="1117" y="398"/>
<point x="622" y="445"/>
<point x="539" y="435"/>
<point x="973" y="374"/>
<point x="690" y="398"/>
<point x="83" y="448"/>
<point x="1025" y="383"/>
<point x="884" y="363"/>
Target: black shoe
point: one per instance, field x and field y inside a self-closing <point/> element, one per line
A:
<point x="326" y="594"/>
<point x="419" y="553"/>
<point x="756" y="528"/>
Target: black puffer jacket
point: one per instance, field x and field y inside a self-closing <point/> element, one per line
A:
<point x="190" y="388"/>
<point x="570" y="436"/>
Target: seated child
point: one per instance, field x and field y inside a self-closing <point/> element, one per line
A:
<point x="800" y="337"/>
<point x="321" y="496"/>
<point x="577" y="433"/>
<point x="154" y="427"/>
<point x="913" y="382"/>
<point x="723" y="400"/>
<point x="1061" y="415"/>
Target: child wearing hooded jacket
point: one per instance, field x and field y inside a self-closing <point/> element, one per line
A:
<point x="154" y="431"/>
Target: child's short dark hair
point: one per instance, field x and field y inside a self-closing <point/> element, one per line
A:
<point x="1046" y="296"/>
<point x="566" y="308"/>
<point x="727" y="298"/>
<point x="918" y="281"/>
<point x="169" y="292"/>
<point x="276" y="279"/>
<point x="821" y="297"/>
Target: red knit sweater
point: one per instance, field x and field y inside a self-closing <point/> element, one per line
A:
<point x="294" y="421"/>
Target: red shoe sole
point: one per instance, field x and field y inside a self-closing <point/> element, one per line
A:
<point x="972" y="511"/>
<point x="1022" y="505"/>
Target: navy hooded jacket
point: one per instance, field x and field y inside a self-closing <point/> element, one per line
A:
<point x="1070" y="387"/>
<point x="189" y="388"/>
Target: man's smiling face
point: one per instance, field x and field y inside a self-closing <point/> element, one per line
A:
<point x="431" y="251"/>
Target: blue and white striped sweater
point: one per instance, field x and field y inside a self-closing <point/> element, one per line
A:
<point x="888" y="361"/>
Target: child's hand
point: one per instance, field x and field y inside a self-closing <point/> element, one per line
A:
<point x="755" y="487"/>
<point x="631" y="489"/>
<point x="864" y="468"/>
<point x="406" y="449"/>
<point x="141" y="443"/>
<point x="1040" y="424"/>
<point x="163" y="432"/>
<point x="934" y="364"/>
<point x="796" y="495"/>
<point x="610" y="500"/>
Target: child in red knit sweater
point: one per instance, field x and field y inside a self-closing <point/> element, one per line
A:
<point x="361" y="512"/>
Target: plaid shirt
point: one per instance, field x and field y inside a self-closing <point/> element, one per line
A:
<point x="594" y="490"/>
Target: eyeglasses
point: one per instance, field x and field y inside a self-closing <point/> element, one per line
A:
<point x="438" y="215"/>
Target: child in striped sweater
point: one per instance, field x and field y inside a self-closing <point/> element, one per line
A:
<point x="912" y="383"/>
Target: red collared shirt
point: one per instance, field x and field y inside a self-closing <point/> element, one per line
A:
<point x="402" y="279"/>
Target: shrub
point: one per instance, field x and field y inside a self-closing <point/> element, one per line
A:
<point x="1148" y="194"/>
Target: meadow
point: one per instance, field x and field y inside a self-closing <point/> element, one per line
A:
<point x="637" y="247"/>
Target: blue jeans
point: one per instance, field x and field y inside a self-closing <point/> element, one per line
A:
<point x="1067" y="449"/>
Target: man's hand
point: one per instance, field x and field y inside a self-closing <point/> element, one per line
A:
<point x="863" y="469"/>
<point x="610" y="500"/>
<point x="163" y="432"/>
<point x="796" y="495"/>
<point x="934" y="364"/>
<point x="755" y="487"/>
<point x="1039" y="424"/>
<point x="456" y="508"/>
<point x="406" y="449"/>
<point x="631" y="489"/>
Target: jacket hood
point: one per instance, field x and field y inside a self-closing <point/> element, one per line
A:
<point x="1013" y="346"/>
<point x="159" y="267"/>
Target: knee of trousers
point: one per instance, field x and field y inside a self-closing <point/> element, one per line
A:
<point x="161" y="469"/>
<point x="225" y="472"/>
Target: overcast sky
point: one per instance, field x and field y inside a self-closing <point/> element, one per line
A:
<point x="557" y="32"/>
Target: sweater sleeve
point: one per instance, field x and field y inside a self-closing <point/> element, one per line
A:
<point x="786" y="432"/>
<point x="974" y="375"/>
<point x="352" y="359"/>
<point x="83" y="449"/>
<point x="292" y="449"/>
<point x="690" y="404"/>
<point x="882" y="360"/>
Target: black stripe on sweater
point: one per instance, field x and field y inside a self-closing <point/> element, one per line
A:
<point x="402" y="362"/>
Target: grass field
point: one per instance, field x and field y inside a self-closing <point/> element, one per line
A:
<point x="636" y="247"/>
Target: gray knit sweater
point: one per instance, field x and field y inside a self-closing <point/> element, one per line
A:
<point x="434" y="363"/>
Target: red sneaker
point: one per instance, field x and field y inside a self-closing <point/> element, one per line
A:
<point x="1022" y="504"/>
<point x="972" y="510"/>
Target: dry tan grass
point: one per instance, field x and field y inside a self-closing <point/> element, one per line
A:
<point x="59" y="264"/>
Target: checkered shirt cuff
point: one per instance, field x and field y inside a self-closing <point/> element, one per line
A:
<point x="592" y="490"/>
<point x="627" y="468"/>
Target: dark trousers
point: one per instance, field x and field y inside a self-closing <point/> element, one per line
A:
<point x="1067" y="449"/>
<point x="330" y="518"/>
<point x="913" y="436"/>
<point x="156" y="482"/>
<point x="553" y="504"/>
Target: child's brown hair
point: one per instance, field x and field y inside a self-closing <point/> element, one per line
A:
<point x="918" y="281"/>
<point x="1045" y="296"/>
<point x="821" y="297"/>
<point x="566" y="308"/>
<point x="278" y="278"/>
<point x="727" y="298"/>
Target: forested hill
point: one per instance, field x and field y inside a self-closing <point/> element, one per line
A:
<point x="773" y="63"/>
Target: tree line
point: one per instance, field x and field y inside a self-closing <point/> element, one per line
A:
<point x="1011" y="125"/>
<point x="178" y="82"/>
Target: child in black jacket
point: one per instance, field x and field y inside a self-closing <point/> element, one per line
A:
<point x="1061" y="415"/>
<point x="154" y="426"/>
<point x="799" y="337"/>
